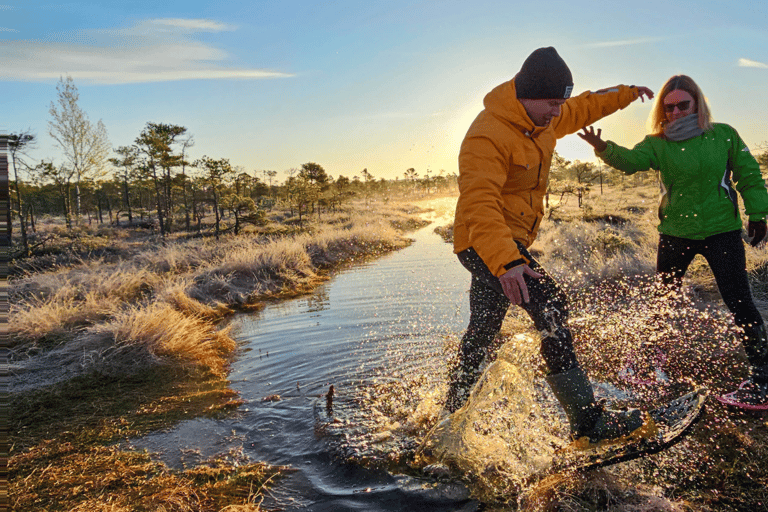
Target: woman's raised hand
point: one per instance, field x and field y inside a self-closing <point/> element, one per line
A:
<point x="593" y="138"/>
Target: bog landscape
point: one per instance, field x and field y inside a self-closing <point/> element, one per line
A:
<point x="154" y="299"/>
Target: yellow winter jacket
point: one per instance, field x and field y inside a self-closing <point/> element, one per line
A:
<point x="504" y="168"/>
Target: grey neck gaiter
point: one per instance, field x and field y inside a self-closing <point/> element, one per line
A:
<point x="684" y="128"/>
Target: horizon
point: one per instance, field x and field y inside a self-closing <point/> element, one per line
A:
<point x="384" y="86"/>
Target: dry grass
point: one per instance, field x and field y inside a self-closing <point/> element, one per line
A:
<point x="162" y="335"/>
<point x="103" y="478"/>
<point x="198" y="278"/>
<point x="595" y="490"/>
<point x="50" y="304"/>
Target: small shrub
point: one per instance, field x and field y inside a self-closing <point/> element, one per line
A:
<point x="609" y="242"/>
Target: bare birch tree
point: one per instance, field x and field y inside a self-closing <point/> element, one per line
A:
<point x="85" y="146"/>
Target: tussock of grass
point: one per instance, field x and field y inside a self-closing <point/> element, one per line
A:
<point x="757" y="266"/>
<point x="176" y="296"/>
<point x="595" y="490"/>
<point x="160" y="334"/>
<point x="48" y="304"/>
<point x="253" y="270"/>
<point x="370" y="238"/>
<point x="176" y="258"/>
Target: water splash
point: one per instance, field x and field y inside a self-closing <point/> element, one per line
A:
<point x="501" y="443"/>
<point x="655" y="345"/>
<point x="504" y="435"/>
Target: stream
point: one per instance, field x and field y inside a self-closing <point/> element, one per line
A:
<point x="386" y="316"/>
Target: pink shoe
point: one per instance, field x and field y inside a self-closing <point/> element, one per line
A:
<point x="750" y="395"/>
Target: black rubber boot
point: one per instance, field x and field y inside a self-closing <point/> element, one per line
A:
<point x="461" y="380"/>
<point x="754" y="390"/>
<point x="755" y="341"/>
<point x="590" y="422"/>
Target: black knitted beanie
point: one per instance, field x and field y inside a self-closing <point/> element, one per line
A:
<point x="544" y="76"/>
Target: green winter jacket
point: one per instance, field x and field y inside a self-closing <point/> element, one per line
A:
<point x="698" y="177"/>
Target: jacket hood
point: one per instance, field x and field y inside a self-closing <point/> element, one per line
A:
<point x="502" y="102"/>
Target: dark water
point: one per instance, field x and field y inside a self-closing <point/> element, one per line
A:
<point x="387" y="316"/>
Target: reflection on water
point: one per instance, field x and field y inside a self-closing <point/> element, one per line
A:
<point x="319" y="301"/>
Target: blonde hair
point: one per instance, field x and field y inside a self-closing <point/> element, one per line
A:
<point x="658" y="118"/>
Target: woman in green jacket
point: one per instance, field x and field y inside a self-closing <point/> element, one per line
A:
<point x="701" y="166"/>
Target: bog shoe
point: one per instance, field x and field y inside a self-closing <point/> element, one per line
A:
<point x="591" y="423"/>
<point x="614" y="427"/>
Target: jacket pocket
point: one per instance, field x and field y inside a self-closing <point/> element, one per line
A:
<point x="519" y="216"/>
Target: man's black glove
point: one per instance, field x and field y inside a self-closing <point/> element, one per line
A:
<point x="756" y="229"/>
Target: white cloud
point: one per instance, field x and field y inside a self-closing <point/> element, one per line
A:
<point x="3" y="29"/>
<point x="150" y="51"/>
<point x="194" y="25"/>
<point x="746" y="63"/>
<point x="624" y="42"/>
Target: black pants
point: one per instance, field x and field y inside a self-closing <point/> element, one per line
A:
<point x="488" y="305"/>
<point x="725" y="254"/>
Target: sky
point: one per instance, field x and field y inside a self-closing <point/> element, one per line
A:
<point x="352" y="85"/>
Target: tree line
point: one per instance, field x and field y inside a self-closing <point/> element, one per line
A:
<point x="580" y="178"/>
<point x="154" y="183"/>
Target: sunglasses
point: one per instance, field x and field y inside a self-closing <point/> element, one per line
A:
<point x="682" y="106"/>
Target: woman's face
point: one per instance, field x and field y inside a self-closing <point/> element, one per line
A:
<point x="677" y="104"/>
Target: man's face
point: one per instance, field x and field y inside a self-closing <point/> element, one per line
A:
<point x="541" y="112"/>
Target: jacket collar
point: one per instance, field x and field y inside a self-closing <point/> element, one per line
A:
<point x="502" y="101"/>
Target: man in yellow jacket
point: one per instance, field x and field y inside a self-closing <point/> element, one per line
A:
<point x="503" y="173"/>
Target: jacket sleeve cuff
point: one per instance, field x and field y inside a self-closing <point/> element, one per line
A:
<point x="516" y="263"/>
<point x="607" y="151"/>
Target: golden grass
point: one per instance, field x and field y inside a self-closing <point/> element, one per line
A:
<point x="595" y="490"/>
<point x="203" y="279"/>
<point x="164" y="335"/>
<point x="105" y="478"/>
<point x="176" y="296"/>
<point x="49" y="304"/>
